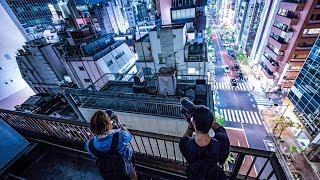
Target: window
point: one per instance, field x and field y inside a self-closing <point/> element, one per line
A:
<point x="161" y="60"/>
<point x="294" y="68"/>
<point x="311" y="31"/>
<point x="192" y="71"/>
<point x="81" y="68"/>
<point x="119" y="55"/>
<point x="109" y="63"/>
<point x="87" y="80"/>
<point x="146" y="70"/>
<point x="282" y="12"/>
<point x="315" y="17"/>
<point x="7" y="56"/>
<point x="281" y="26"/>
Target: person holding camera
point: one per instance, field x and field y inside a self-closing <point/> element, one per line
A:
<point x="205" y="155"/>
<point x="111" y="146"/>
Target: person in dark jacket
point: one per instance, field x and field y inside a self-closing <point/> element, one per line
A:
<point x="205" y="155"/>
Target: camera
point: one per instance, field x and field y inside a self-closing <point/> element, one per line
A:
<point x="187" y="108"/>
<point x="114" y="118"/>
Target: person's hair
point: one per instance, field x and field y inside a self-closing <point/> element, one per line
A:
<point x="203" y="118"/>
<point x="100" y="123"/>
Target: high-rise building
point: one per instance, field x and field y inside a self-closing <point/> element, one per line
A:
<point x="41" y="67"/>
<point x="191" y="12"/>
<point x="129" y="9"/>
<point x="266" y="20"/>
<point x="305" y="92"/>
<point x="31" y="17"/>
<point x="11" y="39"/>
<point x="305" y="95"/>
<point x="111" y="16"/>
<point x="248" y="14"/>
<point x="94" y="59"/>
<point x="294" y="29"/>
<point x="168" y="45"/>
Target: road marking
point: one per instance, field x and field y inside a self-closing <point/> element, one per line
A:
<point x="228" y="86"/>
<point x="229" y="116"/>
<point x="243" y="117"/>
<point x="225" y="114"/>
<point x="248" y="116"/>
<point x="240" y="116"/>
<point x="237" y="116"/>
<point x="253" y="118"/>
<point x="258" y="118"/>
<point x="233" y="116"/>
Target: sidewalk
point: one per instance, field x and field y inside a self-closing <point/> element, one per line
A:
<point x="300" y="165"/>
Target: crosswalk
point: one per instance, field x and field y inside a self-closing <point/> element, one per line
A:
<point x="249" y="117"/>
<point x="228" y="86"/>
<point x="263" y="102"/>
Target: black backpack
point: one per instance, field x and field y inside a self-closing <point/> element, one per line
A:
<point x="111" y="165"/>
<point x="206" y="167"/>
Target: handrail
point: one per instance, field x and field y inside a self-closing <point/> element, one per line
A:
<point x="151" y="149"/>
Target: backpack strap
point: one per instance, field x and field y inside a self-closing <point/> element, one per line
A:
<point x="92" y="149"/>
<point x="113" y="147"/>
<point x="114" y="143"/>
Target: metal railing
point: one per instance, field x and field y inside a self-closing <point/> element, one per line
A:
<point x="132" y="103"/>
<point x="191" y="79"/>
<point x="156" y="151"/>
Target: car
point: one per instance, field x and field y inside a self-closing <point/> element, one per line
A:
<point x="229" y="51"/>
<point x="270" y="145"/>
<point x="213" y="59"/>
<point x="226" y="69"/>
<point x="226" y="44"/>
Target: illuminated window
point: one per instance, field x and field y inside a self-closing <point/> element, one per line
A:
<point x="311" y="31"/>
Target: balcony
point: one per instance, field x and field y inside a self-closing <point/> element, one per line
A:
<point x="157" y="155"/>
<point x="292" y="73"/>
<point x="287" y="84"/>
<point x="271" y="53"/>
<point x="268" y="73"/>
<point x="302" y="51"/>
<point x="293" y="5"/>
<point x="271" y="64"/>
<point x="297" y="62"/>
<point x="288" y="20"/>
<point x="278" y="43"/>
<point x="276" y="30"/>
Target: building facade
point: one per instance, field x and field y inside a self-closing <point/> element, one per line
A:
<point x="111" y="16"/>
<point x="97" y="61"/>
<point x="294" y="29"/>
<point x="11" y="80"/>
<point x="266" y="20"/>
<point x="31" y="17"/>
<point x="41" y="67"/>
<point x="192" y="12"/>
<point x="170" y="46"/>
<point x="248" y="16"/>
<point x="305" y="95"/>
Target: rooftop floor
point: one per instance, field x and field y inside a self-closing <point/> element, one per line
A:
<point x="55" y="164"/>
<point x="11" y="144"/>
